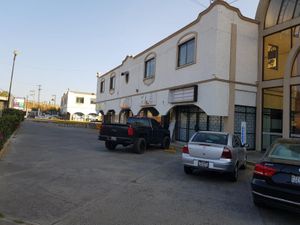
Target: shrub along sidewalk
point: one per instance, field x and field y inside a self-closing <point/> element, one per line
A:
<point x="9" y="122"/>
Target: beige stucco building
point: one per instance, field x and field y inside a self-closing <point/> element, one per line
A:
<point x="221" y="72"/>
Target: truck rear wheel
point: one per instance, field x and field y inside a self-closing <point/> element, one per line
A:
<point x="139" y="146"/>
<point x="165" y="143"/>
<point x="110" y="145"/>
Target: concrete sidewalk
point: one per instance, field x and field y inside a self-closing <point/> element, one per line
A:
<point x="253" y="157"/>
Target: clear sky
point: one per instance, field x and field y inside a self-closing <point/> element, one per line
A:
<point x="63" y="43"/>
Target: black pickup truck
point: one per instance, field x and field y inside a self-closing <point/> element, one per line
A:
<point x="139" y="132"/>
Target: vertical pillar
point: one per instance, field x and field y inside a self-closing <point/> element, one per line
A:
<point x="229" y="121"/>
<point x="286" y="107"/>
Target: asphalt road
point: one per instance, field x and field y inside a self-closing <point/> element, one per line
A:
<point x="56" y="175"/>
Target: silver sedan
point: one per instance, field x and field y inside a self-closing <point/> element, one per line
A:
<point x="215" y="151"/>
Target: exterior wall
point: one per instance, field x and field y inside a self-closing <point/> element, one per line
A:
<point x="69" y="104"/>
<point x="210" y="72"/>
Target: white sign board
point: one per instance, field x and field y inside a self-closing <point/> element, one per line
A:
<point x="182" y="95"/>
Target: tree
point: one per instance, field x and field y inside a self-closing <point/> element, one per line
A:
<point x="3" y="93"/>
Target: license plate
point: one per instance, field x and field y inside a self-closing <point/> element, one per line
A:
<point x="113" y="138"/>
<point x="203" y="164"/>
<point x="295" y="179"/>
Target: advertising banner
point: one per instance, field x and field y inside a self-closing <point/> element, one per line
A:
<point x="19" y="103"/>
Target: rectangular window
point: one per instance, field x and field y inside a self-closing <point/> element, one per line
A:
<point x="276" y="49"/>
<point x="112" y="83"/>
<point x="102" y="86"/>
<point x="295" y="111"/>
<point x="272" y="115"/>
<point x="149" y="68"/>
<point x="186" y="53"/>
<point x="80" y="100"/>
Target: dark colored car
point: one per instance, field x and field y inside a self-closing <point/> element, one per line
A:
<point x="276" y="179"/>
<point x="139" y="132"/>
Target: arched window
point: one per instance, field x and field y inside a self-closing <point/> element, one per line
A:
<point x="150" y="62"/>
<point x="186" y="50"/>
<point x="296" y="66"/>
<point x="112" y="83"/>
<point x="280" y="11"/>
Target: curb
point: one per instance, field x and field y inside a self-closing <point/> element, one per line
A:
<point x="4" y="149"/>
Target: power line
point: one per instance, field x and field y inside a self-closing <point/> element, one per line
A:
<point x="199" y="3"/>
<point x="233" y="1"/>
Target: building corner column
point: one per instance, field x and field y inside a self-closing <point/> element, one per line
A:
<point x="229" y="121"/>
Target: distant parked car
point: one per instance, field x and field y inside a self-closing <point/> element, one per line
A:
<point x="276" y="179"/>
<point x="92" y="117"/>
<point x="214" y="151"/>
<point x="78" y="116"/>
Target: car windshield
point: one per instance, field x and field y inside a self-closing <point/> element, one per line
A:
<point x="212" y="138"/>
<point x="286" y="151"/>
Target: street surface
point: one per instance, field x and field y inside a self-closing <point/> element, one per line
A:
<point x="55" y="175"/>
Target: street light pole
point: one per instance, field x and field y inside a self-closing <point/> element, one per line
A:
<point x="11" y="77"/>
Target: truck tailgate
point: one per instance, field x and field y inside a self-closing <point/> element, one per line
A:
<point x="114" y="130"/>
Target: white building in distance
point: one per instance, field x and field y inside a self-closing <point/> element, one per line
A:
<point x="78" y="105"/>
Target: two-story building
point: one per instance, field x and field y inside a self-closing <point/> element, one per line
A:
<point x="222" y="72"/>
<point x="78" y="105"/>
<point x="203" y="76"/>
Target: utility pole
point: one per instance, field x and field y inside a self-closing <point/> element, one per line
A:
<point x="11" y="77"/>
<point x="39" y="95"/>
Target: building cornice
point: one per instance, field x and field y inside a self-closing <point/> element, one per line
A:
<point x="182" y="86"/>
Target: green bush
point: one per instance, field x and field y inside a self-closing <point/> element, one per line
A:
<point x="9" y="122"/>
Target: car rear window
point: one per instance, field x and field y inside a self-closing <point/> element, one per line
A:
<point x="220" y="139"/>
<point x="286" y="151"/>
<point x="138" y="122"/>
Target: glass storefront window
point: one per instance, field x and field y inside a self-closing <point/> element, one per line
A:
<point x="246" y="114"/>
<point x="287" y="10"/>
<point x="297" y="10"/>
<point x="295" y="111"/>
<point x="295" y="35"/>
<point x="272" y="115"/>
<point x="280" y="11"/>
<point x="190" y="119"/>
<point x="276" y="49"/>
<point x="296" y="66"/>
<point x="273" y="13"/>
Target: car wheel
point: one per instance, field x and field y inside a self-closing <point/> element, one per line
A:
<point x="165" y="144"/>
<point x="244" y="166"/>
<point x="188" y="170"/>
<point x="140" y="146"/>
<point x="110" y="145"/>
<point x="233" y="176"/>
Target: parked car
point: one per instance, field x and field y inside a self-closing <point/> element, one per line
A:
<point x="92" y="117"/>
<point x="139" y="132"/>
<point x="214" y="151"/>
<point x="276" y="178"/>
<point x="78" y="116"/>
